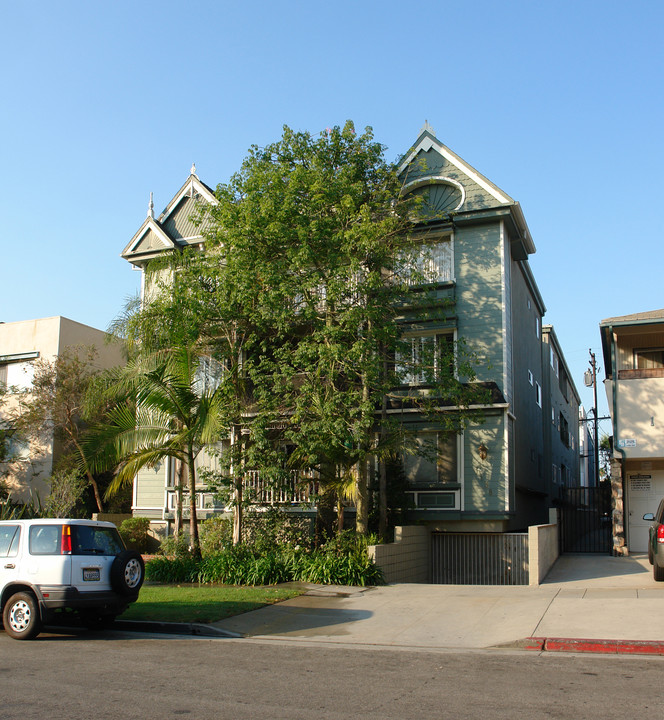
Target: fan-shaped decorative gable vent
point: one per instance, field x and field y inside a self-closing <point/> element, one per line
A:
<point x="440" y="196"/>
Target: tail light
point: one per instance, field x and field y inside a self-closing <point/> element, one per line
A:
<point x="660" y="533"/>
<point x="65" y="547"/>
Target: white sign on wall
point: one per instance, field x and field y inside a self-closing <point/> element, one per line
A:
<point x="640" y="483"/>
<point x="627" y="443"/>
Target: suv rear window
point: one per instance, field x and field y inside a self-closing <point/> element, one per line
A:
<point x="85" y="540"/>
<point x="90" y="540"/>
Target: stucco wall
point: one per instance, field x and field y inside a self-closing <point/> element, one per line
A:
<point x="543" y="551"/>
<point x="406" y="560"/>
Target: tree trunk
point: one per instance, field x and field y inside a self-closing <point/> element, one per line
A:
<point x="95" y="489"/>
<point x="193" y="519"/>
<point x="382" y="502"/>
<point x="88" y="474"/>
<point x="237" y="509"/>
<point x="238" y="483"/>
<point x="362" y="499"/>
<point x="340" y="514"/>
<point x="324" y="528"/>
<point x="382" y="478"/>
<point x="362" y="496"/>
<point x="179" y="487"/>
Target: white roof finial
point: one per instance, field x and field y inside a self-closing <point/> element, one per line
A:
<point x="427" y="128"/>
<point x="151" y="208"/>
<point x="193" y="169"/>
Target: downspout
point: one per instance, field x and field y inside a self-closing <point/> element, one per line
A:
<point x="614" y="394"/>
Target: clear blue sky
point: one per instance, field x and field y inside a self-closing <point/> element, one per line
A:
<point x="560" y="104"/>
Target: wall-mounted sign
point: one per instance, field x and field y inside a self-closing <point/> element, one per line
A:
<point x="640" y="483"/>
<point x="627" y="442"/>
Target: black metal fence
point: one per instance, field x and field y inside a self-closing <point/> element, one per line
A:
<point x="585" y="519"/>
<point x="479" y="559"/>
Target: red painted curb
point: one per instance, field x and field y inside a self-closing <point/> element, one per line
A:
<point x="620" y="647"/>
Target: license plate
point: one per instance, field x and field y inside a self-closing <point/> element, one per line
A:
<point x="91" y="574"/>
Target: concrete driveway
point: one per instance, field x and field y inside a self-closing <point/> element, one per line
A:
<point x="584" y="596"/>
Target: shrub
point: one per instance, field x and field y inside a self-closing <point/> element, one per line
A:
<point x="175" y="546"/>
<point x="134" y="532"/>
<point x="245" y="565"/>
<point x="172" y="570"/>
<point x="341" y="561"/>
<point x="215" y="534"/>
<point x="273" y="528"/>
<point x="329" y="568"/>
<point x="67" y="490"/>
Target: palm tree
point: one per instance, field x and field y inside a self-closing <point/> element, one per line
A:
<point x="166" y="407"/>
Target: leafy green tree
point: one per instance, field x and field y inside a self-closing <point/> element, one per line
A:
<point x="299" y="298"/>
<point x="59" y="406"/>
<point x="67" y="490"/>
<point x="316" y="235"/>
<point x="166" y="407"/>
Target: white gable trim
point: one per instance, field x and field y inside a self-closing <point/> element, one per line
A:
<point x="192" y="186"/>
<point x="149" y="224"/>
<point x="428" y="143"/>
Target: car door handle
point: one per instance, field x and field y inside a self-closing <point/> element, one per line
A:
<point x="10" y="566"/>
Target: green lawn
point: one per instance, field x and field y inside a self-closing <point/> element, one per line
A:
<point x="202" y="603"/>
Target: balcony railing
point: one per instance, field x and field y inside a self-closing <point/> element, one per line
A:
<point x="645" y="374"/>
<point x="300" y="489"/>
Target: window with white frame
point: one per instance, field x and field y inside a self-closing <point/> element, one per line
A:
<point x="18" y="375"/>
<point x="538" y="394"/>
<point x="555" y="365"/>
<point x="424" y="359"/>
<point x="431" y="262"/>
<point x="434" y="460"/>
<point x="209" y="375"/>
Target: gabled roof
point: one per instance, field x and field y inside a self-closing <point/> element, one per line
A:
<point x="175" y="227"/>
<point x="192" y="187"/>
<point x="440" y="160"/>
<point x="149" y="241"/>
<point x="457" y="188"/>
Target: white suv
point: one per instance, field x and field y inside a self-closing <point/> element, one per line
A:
<point x="49" y="567"/>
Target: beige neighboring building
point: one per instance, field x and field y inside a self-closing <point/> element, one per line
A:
<point x="633" y="347"/>
<point x="21" y="344"/>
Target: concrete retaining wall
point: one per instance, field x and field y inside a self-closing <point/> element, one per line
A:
<point x="406" y="560"/>
<point x="543" y="551"/>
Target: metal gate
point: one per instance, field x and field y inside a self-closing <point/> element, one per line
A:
<point x="585" y="519"/>
<point x="479" y="558"/>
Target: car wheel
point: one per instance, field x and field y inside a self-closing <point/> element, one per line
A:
<point x="650" y="558"/>
<point x="21" y="616"/>
<point x="657" y="572"/>
<point x="127" y="572"/>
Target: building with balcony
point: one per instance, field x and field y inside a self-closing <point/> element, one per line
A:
<point x="497" y="476"/>
<point x="633" y="348"/>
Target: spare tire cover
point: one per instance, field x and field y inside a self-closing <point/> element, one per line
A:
<point x="127" y="572"/>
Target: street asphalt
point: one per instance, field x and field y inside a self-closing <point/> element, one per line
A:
<point x="587" y="603"/>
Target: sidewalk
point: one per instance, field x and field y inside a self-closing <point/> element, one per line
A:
<point x="599" y="599"/>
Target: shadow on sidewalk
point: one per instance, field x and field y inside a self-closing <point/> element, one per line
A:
<point x="604" y="570"/>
